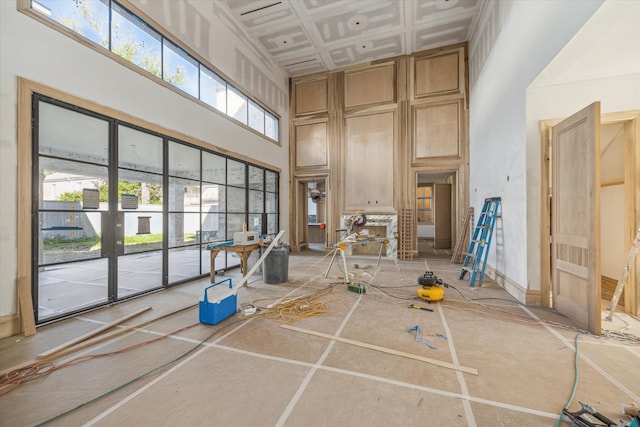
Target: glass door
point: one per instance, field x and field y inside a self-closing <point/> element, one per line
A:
<point x="139" y="224"/>
<point x="99" y="223"/>
<point x="71" y="267"/>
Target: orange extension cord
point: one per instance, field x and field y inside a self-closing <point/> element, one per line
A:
<point x="13" y="379"/>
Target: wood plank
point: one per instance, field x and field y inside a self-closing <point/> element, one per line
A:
<point x="27" y="319"/>
<point x="88" y="335"/>
<point x="386" y="350"/>
<point x="95" y="340"/>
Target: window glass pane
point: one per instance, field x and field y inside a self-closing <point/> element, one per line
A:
<point x="214" y="198"/>
<point x="256" y="178"/>
<point x="272" y="203"/>
<point x="255" y="223"/>
<point x="272" y="224"/>
<point x="184" y="161"/>
<point x="179" y="69"/>
<point x="184" y="263"/>
<point x="235" y="222"/>
<point x="63" y="182"/>
<point x="69" y="236"/>
<point x="146" y="187"/>
<point x="205" y="260"/>
<point x="143" y="232"/>
<point x="135" y="41"/>
<point x="236" y="200"/>
<point x="139" y="272"/>
<point x="237" y="104"/>
<point x="221" y="225"/>
<point x="271" y="181"/>
<point x="210" y="229"/>
<point x="236" y="173"/>
<point x="271" y="126"/>
<point x="184" y="195"/>
<point x="213" y="89"/>
<point x="183" y="228"/>
<point x="256" y="201"/>
<point x="89" y="18"/>
<point x="214" y="168"/>
<point x="139" y="150"/>
<point x="256" y="116"/>
<point x="72" y="135"/>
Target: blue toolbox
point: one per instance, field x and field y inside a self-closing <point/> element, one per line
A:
<point x="218" y="303"/>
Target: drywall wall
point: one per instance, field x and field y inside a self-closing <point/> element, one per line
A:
<point x="36" y="52"/>
<point x="598" y="64"/>
<point x="529" y="35"/>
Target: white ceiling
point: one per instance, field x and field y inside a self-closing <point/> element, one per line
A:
<point x="607" y="45"/>
<point x="308" y="36"/>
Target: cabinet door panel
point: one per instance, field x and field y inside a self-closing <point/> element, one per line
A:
<point x="370" y="142"/>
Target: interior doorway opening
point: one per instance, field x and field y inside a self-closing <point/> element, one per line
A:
<point x="618" y="209"/>
<point x="316" y="215"/>
<point x="436" y="213"/>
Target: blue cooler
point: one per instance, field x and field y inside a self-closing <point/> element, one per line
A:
<point x="219" y="302"/>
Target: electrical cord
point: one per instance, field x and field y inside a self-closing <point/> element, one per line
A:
<point x="575" y="381"/>
<point x="139" y="377"/>
<point x="37" y="370"/>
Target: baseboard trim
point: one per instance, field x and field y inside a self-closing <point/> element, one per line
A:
<point x="509" y="285"/>
<point x="9" y="325"/>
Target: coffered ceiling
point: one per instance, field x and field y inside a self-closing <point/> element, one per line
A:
<point x="308" y="36"/>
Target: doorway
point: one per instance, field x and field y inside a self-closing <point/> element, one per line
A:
<point x="435" y="213"/>
<point x="617" y="209"/>
<point x="310" y="213"/>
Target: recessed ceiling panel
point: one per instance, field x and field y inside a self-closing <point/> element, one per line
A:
<point x="307" y="36"/>
<point x="369" y="50"/>
<point x="440" y="35"/>
<point x="378" y="16"/>
<point x="285" y="40"/>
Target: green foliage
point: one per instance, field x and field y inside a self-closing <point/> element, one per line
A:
<point x="71" y="196"/>
<point x="179" y="78"/>
<point x="79" y="244"/>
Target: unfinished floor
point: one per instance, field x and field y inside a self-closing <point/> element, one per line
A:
<point x="253" y="372"/>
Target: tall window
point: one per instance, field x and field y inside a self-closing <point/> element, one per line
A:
<point x="424" y="203"/>
<point x="132" y="38"/>
<point x="123" y="210"/>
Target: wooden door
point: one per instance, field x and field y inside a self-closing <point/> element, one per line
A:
<point x="575" y="223"/>
<point x="442" y="216"/>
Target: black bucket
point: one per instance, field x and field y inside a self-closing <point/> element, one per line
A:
<point x="275" y="268"/>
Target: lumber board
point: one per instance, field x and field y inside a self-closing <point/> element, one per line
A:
<point x="261" y="259"/>
<point x="88" y="335"/>
<point x="27" y="319"/>
<point x="95" y="340"/>
<point x="386" y="350"/>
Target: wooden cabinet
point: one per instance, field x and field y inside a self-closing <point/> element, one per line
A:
<point x="369" y="162"/>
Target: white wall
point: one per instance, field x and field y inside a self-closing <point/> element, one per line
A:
<point x="34" y="51"/>
<point x="522" y="41"/>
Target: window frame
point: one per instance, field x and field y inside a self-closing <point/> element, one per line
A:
<point x="423" y="197"/>
<point x="25" y="6"/>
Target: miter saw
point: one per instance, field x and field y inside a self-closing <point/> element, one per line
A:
<point x="430" y="287"/>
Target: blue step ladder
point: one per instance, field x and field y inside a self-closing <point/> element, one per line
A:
<point x="476" y="258"/>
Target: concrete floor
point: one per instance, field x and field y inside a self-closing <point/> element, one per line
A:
<point x="253" y="372"/>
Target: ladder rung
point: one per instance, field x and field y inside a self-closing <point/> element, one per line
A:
<point x="469" y="269"/>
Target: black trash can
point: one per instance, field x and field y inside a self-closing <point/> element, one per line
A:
<point x="275" y="268"/>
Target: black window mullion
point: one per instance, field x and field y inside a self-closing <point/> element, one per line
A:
<point x="165" y="211"/>
<point x="112" y="214"/>
<point x="35" y="203"/>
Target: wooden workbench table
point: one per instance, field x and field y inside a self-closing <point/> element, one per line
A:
<point x="243" y="252"/>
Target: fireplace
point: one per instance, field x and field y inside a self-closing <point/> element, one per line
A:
<point x="380" y="226"/>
